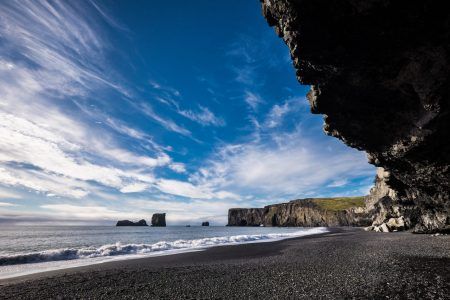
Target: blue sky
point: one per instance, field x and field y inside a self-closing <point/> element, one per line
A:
<point x="119" y="109"/>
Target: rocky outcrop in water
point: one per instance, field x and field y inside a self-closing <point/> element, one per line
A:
<point x="379" y="72"/>
<point x="130" y="223"/>
<point x="205" y="223"/>
<point x="159" y="220"/>
<point x="302" y="212"/>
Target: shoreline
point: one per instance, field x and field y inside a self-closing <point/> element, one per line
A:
<point x="343" y="263"/>
<point x="88" y="262"/>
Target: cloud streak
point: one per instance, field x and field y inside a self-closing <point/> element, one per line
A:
<point x="204" y="117"/>
<point x="83" y="139"/>
<point x="165" y="122"/>
<point x="170" y="97"/>
<point x="283" y="164"/>
<point x="53" y="52"/>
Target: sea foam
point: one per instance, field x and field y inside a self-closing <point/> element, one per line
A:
<point x="118" y="249"/>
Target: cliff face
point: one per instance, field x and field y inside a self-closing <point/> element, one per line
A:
<point x="379" y="73"/>
<point x="303" y="212"/>
<point x="245" y="216"/>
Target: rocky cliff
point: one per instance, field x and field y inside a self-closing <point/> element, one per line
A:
<point x="159" y="220"/>
<point x="301" y="212"/>
<point x="379" y="73"/>
<point x="245" y="216"/>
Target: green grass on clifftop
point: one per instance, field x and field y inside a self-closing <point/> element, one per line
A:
<point x="339" y="203"/>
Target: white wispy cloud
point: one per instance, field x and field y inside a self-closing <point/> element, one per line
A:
<point x="170" y="97"/>
<point x="253" y="99"/>
<point x="338" y="183"/>
<point x="194" y="191"/>
<point x="204" y="116"/>
<point x="276" y="114"/>
<point x="7" y="204"/>
<point x="28" y="143"/>
<point x="246" y="60"/>
<point x="165" y="122"/>
<point x="168" y="90"/>
<point x="43" y="182"/>
<point x="182" y="188"/>
<point x="242" y="50"/>
<point x="4" y="194"/>
<point x="46" y="149"/>
<point x="56" y="37"/>
<point x="135" y="188"/>
<point x="246" y="74"/>
<point x="178" y="167"/>
<point x="88" y="212"/>
<point x="289" y="164"/>
<point x="52" y="52"/>
<point x="122" y="128"/>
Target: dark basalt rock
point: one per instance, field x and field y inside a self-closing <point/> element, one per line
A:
<point x="301" y="212"/>
<point x="130" y="223"/>
<point x="159" y="220"/>
<point x="379" y="72"/>
<point x="245" y="216"/>
<point x="205" y="223"/>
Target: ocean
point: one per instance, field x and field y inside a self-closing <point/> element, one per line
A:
<point x="32" y="249"/>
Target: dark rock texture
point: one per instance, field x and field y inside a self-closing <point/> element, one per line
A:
<point x="302" y="212"/>
<point x="159" y="220"/>
<point x="379" y="73"/>
<point x="245" y="216"/>
<point x="130" y="223"/>
<point x="205" y="223"/>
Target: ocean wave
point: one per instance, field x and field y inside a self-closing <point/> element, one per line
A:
<point x="128" y="249"/>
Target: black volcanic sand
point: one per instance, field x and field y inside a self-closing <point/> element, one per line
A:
<point x="346" y="263"/>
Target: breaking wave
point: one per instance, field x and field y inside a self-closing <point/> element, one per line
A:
<point x="128" y="249"/>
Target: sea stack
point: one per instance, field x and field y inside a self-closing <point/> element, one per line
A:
<point x="205" y="223"/>
<point x="159" y="220"/>
<point x="130" y="223"/>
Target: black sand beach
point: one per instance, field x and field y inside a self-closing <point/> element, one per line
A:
<point x="342" y="264"/>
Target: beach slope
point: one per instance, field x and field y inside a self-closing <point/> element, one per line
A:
<point x="343" y="263"/>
